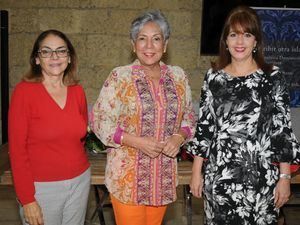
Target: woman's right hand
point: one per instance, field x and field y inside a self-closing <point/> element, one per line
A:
<point x="33" y="213"/>
<point x="150" y="146"/>
<point x="196" y="184"/>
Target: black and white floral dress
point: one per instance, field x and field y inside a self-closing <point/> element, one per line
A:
<point x="243" y="130"/>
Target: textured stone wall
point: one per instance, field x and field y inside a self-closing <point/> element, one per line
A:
<point x="99" y="30"/>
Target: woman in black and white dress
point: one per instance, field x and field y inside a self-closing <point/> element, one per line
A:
<point x="244" y="131"/>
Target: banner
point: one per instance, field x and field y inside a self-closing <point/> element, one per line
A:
<point x="281" y="28"/>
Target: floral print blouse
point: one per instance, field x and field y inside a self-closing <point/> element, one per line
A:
<point x="130" y="102"/>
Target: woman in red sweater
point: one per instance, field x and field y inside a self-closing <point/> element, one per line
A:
<point x="47" y="127"/>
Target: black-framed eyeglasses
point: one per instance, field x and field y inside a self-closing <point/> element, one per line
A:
<point x="47" y="52"/>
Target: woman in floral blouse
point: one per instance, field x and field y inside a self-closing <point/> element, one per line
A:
<point x="144" y="113"/>
<point x="244" y="131"/>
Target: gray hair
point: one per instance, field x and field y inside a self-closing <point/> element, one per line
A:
<point x="151" y="16"/>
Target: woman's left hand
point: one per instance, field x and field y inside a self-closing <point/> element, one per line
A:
<point x="282" y="192"/>
<point x="172" y="146"/>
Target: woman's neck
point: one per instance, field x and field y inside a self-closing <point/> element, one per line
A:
<point x="53" y="81"/>
<point x="152" y="72"/>
<point x="237" y="68"/>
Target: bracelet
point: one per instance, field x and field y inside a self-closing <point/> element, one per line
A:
<point x="121" y="139"/>
<point x="179" y="135"/>
<point x="285" y="176"/>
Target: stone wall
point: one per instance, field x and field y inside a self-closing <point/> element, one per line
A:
<point x="99" y="30"/>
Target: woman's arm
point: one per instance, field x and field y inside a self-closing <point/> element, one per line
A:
<point x="200" y="144"/>
<point x="283" y="190"/>
<point x="196" y="183"/>
<point x="106" y="111"/>
<point x="285" y="146"/>
<point x="187" y="123"/>
<point x="284" y="143"/>
<point x="205" y="129"/>
<point x="18" y="123"/>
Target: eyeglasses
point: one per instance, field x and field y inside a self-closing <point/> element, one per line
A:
<point x="60" y="53"/>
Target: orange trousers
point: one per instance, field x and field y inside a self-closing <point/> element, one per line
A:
<point x="137" y="214"/>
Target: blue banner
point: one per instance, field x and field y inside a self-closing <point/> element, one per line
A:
<point x="281" y="28"/>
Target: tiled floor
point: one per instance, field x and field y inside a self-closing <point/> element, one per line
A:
<point x="175" y="213"/>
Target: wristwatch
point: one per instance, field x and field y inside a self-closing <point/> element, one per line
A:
<point x="285" y="176"/>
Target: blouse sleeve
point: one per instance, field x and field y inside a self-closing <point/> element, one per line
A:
<point x="106" y="111"/>
<point x="201" y="142"/>
<point x="283" y="140"/>
<point x="18" y="122"/>
<point x="188" y="119"/>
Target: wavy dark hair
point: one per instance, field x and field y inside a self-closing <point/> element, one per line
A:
<point x="246" y="18"/>
<point x="35" y="72"/>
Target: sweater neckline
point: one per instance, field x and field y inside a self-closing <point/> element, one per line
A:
<point x="53" y="100"/>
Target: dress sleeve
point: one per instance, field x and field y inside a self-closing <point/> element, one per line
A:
<point x="106" y="111"/>
<point x="201" y="142"/>
<point x="18" y="122"/>
<point x="188" y="119"/>
<point x="283" y="140"/>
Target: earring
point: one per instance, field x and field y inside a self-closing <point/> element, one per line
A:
<point x="226" y="48"/>
<point x="133" y="50"/>
<point x="254" y="49"/>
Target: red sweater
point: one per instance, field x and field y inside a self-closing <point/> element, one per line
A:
<point x="45" y="141"/>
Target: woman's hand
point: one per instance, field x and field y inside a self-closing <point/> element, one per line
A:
<point x="150" y="146"/>
<point x="33" y="214"/>
<point x="196" y="184"/>
<point x="172" y="146"/>
<point x="282" y="192"/>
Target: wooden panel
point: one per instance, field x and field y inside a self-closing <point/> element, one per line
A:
<point x="4" y="160"/>
<point x="98" y="163"/>
<point x="296" y="177"/>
